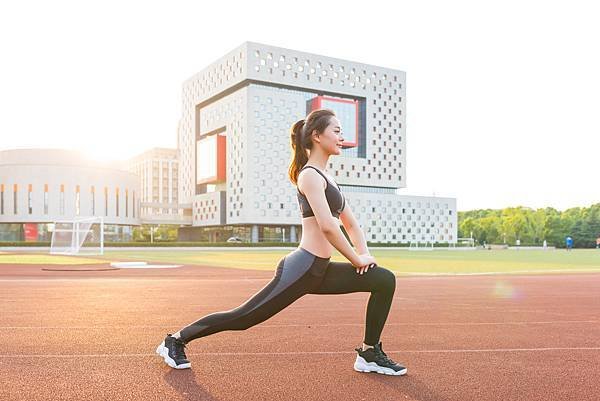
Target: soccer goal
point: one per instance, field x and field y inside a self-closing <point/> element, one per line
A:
<point x="80" y="236"/>
<point x="466" y="242"/>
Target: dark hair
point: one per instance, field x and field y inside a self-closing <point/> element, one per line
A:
<point x="300" y="136"/>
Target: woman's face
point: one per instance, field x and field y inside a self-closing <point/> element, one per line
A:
<point x="331" y="138"/>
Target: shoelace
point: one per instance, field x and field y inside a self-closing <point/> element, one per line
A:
<point x="179" y="349"/>
<point x="379" y="354"/>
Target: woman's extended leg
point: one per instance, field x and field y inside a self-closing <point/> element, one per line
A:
<point x="297" y="273"/>
<point x="293" y="278"/>
<point x="341" y="278"/>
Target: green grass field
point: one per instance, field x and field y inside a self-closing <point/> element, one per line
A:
<point x="399" y="261"/>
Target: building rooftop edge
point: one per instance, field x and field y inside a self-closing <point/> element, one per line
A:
<point x="249" y="43"/>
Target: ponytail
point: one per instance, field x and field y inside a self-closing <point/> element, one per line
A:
<point x="300" y="138"/>
<point x="299" y="156"/>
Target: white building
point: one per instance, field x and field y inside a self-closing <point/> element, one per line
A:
<point x="158" y="172"/>
<point x="235" y="151"/>
<point x="41" y="186"/>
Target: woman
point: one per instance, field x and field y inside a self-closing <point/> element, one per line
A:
<point x="308" y="269"/>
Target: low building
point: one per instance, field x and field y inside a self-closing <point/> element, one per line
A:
<point x="41" y="186"/>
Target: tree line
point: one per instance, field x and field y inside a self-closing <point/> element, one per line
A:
<point x="532" y="226"/>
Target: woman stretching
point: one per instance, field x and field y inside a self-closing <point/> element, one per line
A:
<point x="308" y="269"/>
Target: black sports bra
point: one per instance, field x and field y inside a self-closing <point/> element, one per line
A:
<point x="335" y="198"/>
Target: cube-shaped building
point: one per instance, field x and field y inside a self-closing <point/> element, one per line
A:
<point x="234" y="147"/>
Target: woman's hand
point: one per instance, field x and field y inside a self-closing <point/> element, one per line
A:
<point x="366" y="261"/>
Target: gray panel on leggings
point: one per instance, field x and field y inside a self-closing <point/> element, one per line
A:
<point x="295" y="265"/>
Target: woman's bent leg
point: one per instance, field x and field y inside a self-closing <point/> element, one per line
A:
<point x="341" y="278"/>
<point x="296" y="274"/>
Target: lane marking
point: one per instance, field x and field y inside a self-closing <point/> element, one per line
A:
<point x="308" y="324"/>
<point x="591" y="269"/>
<point x="433" y="351"/>
<point x="404" y="274"/>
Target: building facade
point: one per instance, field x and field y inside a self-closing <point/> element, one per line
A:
<point x="41" y="186"/>
<point x="234" y="147"/>
<point x="158" y="172"/>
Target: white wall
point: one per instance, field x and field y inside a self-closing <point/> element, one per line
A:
<point x="39" y="167"/>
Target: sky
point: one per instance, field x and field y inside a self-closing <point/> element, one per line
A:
<point x="502" y="98"/>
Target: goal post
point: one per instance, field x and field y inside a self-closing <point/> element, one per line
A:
<point x="468" y="242"/>
<point x="79" y="236"/>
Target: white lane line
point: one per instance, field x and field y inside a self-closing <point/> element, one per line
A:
<point x="432" y="351"/>
<point x="592" y="270"/>
<point x="306" y="325"/>
<point x="404" y="274"/>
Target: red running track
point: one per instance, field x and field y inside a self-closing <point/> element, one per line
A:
<point x="91" y="335"/>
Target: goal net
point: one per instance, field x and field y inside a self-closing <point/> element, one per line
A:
<point x="80" y="236"/>
<point x="466" y="242"/>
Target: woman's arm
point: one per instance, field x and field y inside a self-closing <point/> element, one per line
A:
<point x="354" y="230"/>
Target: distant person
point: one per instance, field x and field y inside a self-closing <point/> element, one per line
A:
<point x="545" y="244"/>
<point x="598" y="242"/>
<point x="308" y="269"/>
<point x="518" y="242"/>
<point x="569" y="243"/>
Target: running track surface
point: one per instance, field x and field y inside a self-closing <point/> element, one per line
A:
<point x="91" y="335"/>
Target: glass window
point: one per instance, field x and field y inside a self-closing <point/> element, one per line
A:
<point x="207" y="158"/>
<point x="15" y="188"/>
<point x="45" y="198"/>
<point x="29" y="200"/>
<point x="77" y="202"/>
<point x="93" y="201"/>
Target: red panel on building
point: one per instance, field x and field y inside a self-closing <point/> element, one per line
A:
<point x="346" y="111"/>
<point x="31" y="232"/>
<point x="221" y="157"/>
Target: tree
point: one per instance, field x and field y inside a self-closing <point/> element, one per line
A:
<point x="531" y="226"/>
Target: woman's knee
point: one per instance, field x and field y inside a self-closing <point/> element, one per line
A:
<point x="386" y="279"/>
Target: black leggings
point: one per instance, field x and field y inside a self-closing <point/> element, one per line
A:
<point x="300" y="273"/>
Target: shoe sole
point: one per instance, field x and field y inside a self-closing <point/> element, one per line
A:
<point x="366" y="367"/>
<point x="163" y="351"/>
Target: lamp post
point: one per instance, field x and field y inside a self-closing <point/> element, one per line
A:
<point x="152" y="231"/>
